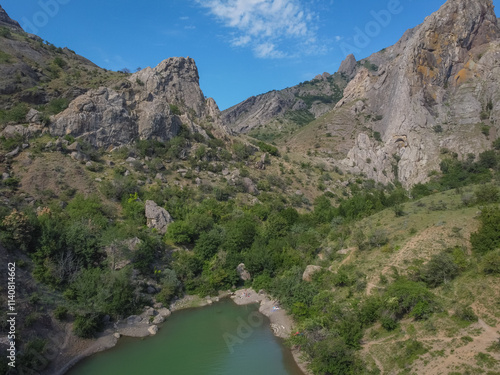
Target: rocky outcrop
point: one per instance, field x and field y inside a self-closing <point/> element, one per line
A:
<point x="309" y="272"/>
<point x="242" y="272"/>
<point x="151" y="104"/>
<point x="348" y="66"/>
<point x="443" y="72"/>
<point x="313" y="98"/>
<point x="157" y="217"/>
<point x="6" y="21"/>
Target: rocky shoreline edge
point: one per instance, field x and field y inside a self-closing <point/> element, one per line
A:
<point x="146" y="324"/>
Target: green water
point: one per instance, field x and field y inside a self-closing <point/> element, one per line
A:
<point x="222" y="339"/>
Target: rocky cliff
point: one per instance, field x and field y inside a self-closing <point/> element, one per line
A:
<point x="151" y="104"/>
<point x="297" y="104"/>
<point x="436" y="90"/>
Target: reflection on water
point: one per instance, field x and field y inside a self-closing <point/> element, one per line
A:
<point x="222" y="339"/>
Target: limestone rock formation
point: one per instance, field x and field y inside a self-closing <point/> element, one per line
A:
<point x="348" y="66"/>
<point x="444" y="72"/>
<point x="157" y="217"/>
<point x="150" y="104"/>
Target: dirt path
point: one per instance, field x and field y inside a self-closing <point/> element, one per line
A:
<point x="455" y="357"/>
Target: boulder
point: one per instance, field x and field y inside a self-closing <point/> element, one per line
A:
<point x="33" y="116"/>
<point x="153" y="330"/>
<point x="249" y="186"/>
<point x="242" y="272"/>
<point x="157" y="217"/>
<point x="158" y="319"/>
<point x="310" y="271"/>
<point x="164" y="312"/>
<point x="13" y="153"/>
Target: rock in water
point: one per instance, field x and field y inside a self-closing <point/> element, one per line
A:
<point x="157" y="217"/>
<point x="153" y="330"/>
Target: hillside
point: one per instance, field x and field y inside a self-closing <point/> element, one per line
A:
<point x="122" y="193"/>
<point x="413" y="99"/>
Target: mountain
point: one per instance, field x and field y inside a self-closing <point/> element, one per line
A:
<point x="34" y="72"/>
<point x="74" y="97"/>
<point x="288" y="109"/>
<point x="126" y="195"/>
<point x="436" y="90"/>
<point x="151" y="104"/>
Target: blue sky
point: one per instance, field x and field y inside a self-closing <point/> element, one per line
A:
<point x="241" y="47"/>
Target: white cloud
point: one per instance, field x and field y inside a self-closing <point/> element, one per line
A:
<point x="272" y="28"/>
<point x="268" y="51"/>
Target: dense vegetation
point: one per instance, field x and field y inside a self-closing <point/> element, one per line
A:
<point x="73" y="247"/>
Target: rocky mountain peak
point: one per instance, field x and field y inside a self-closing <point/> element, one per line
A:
<point x="348" y="66"/>
<point x="151" y="104"/>
<point x="176" y="79"/>
<point x="442" y="72"/>
<point x="446" y="38"/>
<point x="6" y="21"/>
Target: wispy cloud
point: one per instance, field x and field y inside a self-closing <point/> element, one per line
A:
<point x="272" y="28"/>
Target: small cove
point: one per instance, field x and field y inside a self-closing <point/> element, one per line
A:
<point x="220" y="339"/>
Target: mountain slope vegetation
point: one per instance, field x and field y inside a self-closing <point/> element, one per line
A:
<point x="407" y="274"/>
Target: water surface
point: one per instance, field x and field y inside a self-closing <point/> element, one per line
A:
<point x="221" y="339"/>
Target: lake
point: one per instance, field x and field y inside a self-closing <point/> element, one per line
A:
<point x="221" y="339"/>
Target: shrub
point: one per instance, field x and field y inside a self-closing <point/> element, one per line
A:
<point x="440" y="269"/>
<point x="496" y="144"/>
<point x="403" y="296"/>
<point x="15" y="114"/>
<point x="438" y="128"/>
<point x="487" y="193"/>
<point x="485" y="129"/>
<point x="332" y="356"/>
<point x="61" y="313"/>
<point x="465" y="313"/>
<point x="17" y="231"/>
<point x="169" y="287"/>
<point x="491" y="262"/>
<point x="175" y="110"/>
<point x="5" y="32"/>
<point x="487" y="238"/>
<point x="86" y="326"/>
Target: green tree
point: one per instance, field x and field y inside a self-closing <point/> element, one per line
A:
<point x="487" y="238"/>
<point x="440" y="269"/>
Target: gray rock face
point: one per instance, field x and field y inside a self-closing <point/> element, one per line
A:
<point x="262" y="109"/>
<point x="348" y="66"/>
<point x="152" y="104"/>
<point x="157" y="217"/>
<point x="242" y="272"/>
<point x="6" y="21"/>
<point x="443" y="72"/>
<point x="249" y="185"/>
<point x="33" y="116"/>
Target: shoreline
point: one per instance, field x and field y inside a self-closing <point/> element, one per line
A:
<point x="76" y="349"/>
<point x="281" y="322"/>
